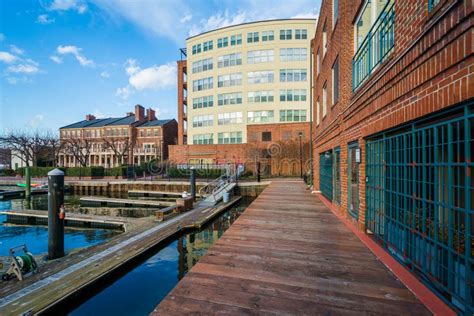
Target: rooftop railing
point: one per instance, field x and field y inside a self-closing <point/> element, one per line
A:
<point x="376" y="46"/>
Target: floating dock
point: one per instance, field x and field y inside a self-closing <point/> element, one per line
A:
<point x="71" y="277"/>
<point x="112" y="202"/>
<point x="155" y="194"/>
<point x="289" y="254"/>
<point x="34" y="217"/>
<point x="14" y="194"/>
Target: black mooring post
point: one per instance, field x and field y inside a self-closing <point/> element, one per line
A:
<point x="192" y="181"/>
<point x="55" y="218"/>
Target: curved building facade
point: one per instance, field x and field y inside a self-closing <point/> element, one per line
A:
<point x="246" y="75"/>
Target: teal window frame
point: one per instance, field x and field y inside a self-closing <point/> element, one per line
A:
<point x="326" y="174"/>
<point x="432" y="4"/>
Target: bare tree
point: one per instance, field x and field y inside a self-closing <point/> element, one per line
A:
<point x="26" y="146"/>
<point x="120" y="146"/>
<point x="79" y="148"/>
<point x="55" y="146"/>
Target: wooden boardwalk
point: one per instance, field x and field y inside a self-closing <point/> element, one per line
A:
<point x="288" y="254"/>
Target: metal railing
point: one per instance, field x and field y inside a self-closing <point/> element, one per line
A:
<point x="216" y="186"/>
<point x="375" y="48"/>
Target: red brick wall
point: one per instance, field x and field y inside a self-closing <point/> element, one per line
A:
<point x="181" y="107"/>
<point x="430" y="69"/>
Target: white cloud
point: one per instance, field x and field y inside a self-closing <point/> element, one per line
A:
<point x="186" y="18"/>
<point x="12" y="80"/>
<point x="23" y="69"/>
<point x="219" y="20"/>
<point x="76" y="52"/>
<point x="56" y="59"/>
<point x="65" y="5"/>
<point x="151" y="78"/>
<point x="36" y="120"/>
<point x="155" y="77"/>
<point x="161" y="17"/>
<point x="16" y="50"/>
<point x="44" y="19"/>
<point x="306" y="15"/>
<point x="105" y="74"/>
<point x="131" y="66"/>
<point x="8" y="58"/>
<point x="124" y="92"/>
<point x="2" y="37"/>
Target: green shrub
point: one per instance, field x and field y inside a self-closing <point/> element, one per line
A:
<point x="7" y="172"/>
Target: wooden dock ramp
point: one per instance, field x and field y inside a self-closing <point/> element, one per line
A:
<point x="288" y="254"/>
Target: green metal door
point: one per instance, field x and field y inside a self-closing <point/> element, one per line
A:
<point x="325" y="174"/>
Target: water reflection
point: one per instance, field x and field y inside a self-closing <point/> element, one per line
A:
<point x="36" y="237"/>
<point x="140" y="290"/>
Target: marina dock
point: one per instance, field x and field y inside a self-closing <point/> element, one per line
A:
<point x="112" y="202"/>
<point x="35" y="217"/>
<point x="281" y="257"/>
<point x="73" y="276"/>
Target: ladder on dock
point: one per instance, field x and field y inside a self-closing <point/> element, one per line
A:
<point x="213" y="192"/>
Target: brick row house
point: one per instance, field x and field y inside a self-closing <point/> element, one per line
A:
<point x="393" y="137"/>
<point x="109" y="142"/>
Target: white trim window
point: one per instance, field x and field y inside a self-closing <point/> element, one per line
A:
<point x="229" y="118"/>
<point x="203" y="120"/>
<point x="229" y="60"/>
<point x="265" y="76"/>
<point x="260" y="96"/>
<point x="293" y="54"/>
<point x="293" y="75"/>
<point x="229" y="98"/>
<point x="260" y="116"/>
<point x="229" y="80"/>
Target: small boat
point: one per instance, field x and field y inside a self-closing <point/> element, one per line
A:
<point x="23" y="185"/>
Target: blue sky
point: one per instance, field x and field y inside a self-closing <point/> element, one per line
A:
<point x="63" y="59"/>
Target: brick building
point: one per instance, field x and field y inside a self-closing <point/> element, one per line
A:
<point x="133" y="139"/>
<point x="394" y="131"/>
<point x="239" y="85"/>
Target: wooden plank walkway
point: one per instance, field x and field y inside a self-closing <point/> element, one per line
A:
<point x="288" y="254"/>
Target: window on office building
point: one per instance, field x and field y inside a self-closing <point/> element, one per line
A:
<point x="229" y="80"/>
<point x="291" y="95"/>
<point x="207" y="46"/>
<point x="285" y="34"/>
<point x="229" y="98"/>
<point x="293" y="75"/>
<point x="292" y="115"/>
<point x="293" y="54"/>
<point x="301" y="34"/>
<point x="229" y="60"/>
<point x="260" y="96"/>
<point x="203" y="102"/>
<point x="268" y="36"/>
<point x="222" y="42"/>
<point x="264" y="76"/>
<point x="260" y="56"/>
<point x="252" y="37"/>
<point x="236" y="40"/>
<point x="230" y="138"/>
<point x="229" y="118"/>
<point x="260" y="116"/>
<point x="203" y="120"/>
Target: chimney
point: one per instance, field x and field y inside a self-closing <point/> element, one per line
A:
<point x="139" y="113"/>
<point x="90" y="117"/>
<point x="129" y="113"/>
<point x="150" y="114"/>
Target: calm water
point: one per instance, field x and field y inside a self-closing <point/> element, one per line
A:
<point x="140" y="290"/>
<point x="36" y="237"/>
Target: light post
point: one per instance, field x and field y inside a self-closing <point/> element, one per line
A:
<point x="300" y="134"/>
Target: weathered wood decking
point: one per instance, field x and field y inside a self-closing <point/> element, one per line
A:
<point x="288" y="254"/>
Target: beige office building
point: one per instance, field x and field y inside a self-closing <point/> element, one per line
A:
<point x="249" y="74"/>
